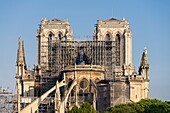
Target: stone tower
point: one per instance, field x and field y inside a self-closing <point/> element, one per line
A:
<point x="50" y="32"/>
<point x="119" y="32"/>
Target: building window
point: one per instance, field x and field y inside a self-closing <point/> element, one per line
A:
<point x="28" y="76"/>
<point x="117" y="50"/>
<point x="50" y="45"/>
<point x="84" y="84"/>
<point x="108" y="37"/>
<point x="50" y="39"/>
<point x="60" y="36"/>
<point x="134" y="76"/>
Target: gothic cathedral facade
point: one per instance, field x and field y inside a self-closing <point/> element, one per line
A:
<point x="70" y="72"/>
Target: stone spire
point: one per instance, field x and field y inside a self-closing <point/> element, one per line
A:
<point x="20" y="68"/>
<point x="20" y="54"/>
<point x="144" y="59"/>
<point x="144" y="65"/>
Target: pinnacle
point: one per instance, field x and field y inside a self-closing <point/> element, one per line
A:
<point x="20" y="54"/>
<point x="144" y="59"/>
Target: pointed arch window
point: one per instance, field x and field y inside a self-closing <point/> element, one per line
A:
<point x="50" y="39"/>
<point x="60" y="36"/>
<point x="108" y="37"/>
<point x="50" y="52"/>
<point x="117" y="50"/>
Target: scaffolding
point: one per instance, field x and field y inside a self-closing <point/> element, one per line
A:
<point x="6" y="100"/>
<point x="57" y="54"/>
<point x="65" y="53"/>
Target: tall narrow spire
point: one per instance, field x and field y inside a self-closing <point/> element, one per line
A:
<point x="144" y="64"/>
<point x="144" y="59"/>
<point x="20" y="53"/>
<point x="20" y="67"/>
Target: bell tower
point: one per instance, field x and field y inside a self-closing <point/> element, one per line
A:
<point x="50" y="33"/>
<point x="117" y="31"/>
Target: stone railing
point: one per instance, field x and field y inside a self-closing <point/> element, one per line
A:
<point x="83" y="67"/>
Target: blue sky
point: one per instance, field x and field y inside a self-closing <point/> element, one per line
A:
<point x="149" y="22"/>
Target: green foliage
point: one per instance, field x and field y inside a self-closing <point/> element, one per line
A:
<point x="154" y="106"/>
<point x="122" y="108"/>
<point x="75" y="109"/>
<point x="84" y="108"/>
<point x="143" y="106"/>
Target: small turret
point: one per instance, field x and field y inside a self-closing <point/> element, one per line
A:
<point x="144" y="65"/>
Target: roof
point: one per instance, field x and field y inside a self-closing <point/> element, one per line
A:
<point x="112" y="19"/>
<point x="55" y="19"/>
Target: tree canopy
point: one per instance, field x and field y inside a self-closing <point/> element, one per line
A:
<point x="84" y="108"/>
<point x="143" y="106"/>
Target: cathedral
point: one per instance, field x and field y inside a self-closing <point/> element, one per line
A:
<point x="70" y="72"/>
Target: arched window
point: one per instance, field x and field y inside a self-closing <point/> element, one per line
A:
<point x="117" y="50"/>
<point x="83" y="84"/>
<point x="28" y="76"/>
<point x="60" y="36"/>
<point x="108" y="37"/>
<point x="118" y="38"/>
<point x="50" y="41"/>
<point x="50" y="37"/>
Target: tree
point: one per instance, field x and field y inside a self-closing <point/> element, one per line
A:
<point x="75" y="109"/>
<point x="143" y="106"/>
<point x="121" y="108"/>
<point x="84" y="108"/>
<point x="154" y="106"/>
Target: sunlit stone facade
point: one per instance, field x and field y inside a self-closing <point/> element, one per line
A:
<point x="71" y="72"/>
